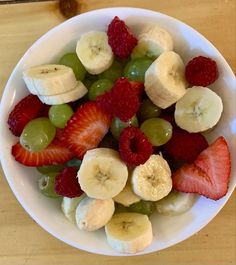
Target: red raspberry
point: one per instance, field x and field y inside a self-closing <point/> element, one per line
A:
<point x="201" y="71"/>
<point x="66" y="183"/>
<point x="105" y="102"/>
<point x="121" y="40"/>
<point x="134" y="147"/>
<point x="138" y="87"/>
<point x="184" y="145"/>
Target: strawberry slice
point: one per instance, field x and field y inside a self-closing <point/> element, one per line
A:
<point x="209" y="174"/>
<point x="86" y="128"/>
<point x="54" y="154"/>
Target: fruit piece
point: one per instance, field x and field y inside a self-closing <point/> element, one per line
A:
<point x="209" y="174"/>
<point x="37" y="134"/>
<point x="121" y="40"/>
<point x="148" y="110"/>
<point x="143" y="207"/>
<point x="74" y="163"/>
<point x="198" y="110"/>
<point x="102" y="174"/>
<point x="136" y="68"/>
<point x="113" y="73"/>
<point x="24" y="111"/>
<point x="49" y="79"/>
<point x="92" y="214"/>
<point x="117" y="126"/>
<point x="71" y="60"/>
<point x="109" y="142"/>
<point x="158" y="131"/>
<point x="94" y="51"/>
<point x="60" y="114"/>
<point x="164" y="80"/>
<point x="68" y="8"/>
<point x="152" y="180"/>
<point x="185" y="146"/>
<point x="46" y="185"/>
<point x="99" y="87"/>
<point x="50" y="169"/>
<point x="138" y="87"/>
<point x="175" y="203"/>
<point x="201" y="71"/>
<point x="89" y="79"/>
<point x="75" y="93"/>
<point x="55" y="153"/>
<point x="86" y="128"/>
<point x="134" y="147"/>
<point x="105" y="101"/>
<point x="66" y="183"/>
<point x="129" y="232"/>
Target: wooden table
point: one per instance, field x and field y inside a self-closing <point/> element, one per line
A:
<point x="22" y="241"/>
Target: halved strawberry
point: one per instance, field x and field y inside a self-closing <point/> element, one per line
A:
<point x="209" y="174"/>
<point x="54" y="154"/>
<point x="86" y="128"/>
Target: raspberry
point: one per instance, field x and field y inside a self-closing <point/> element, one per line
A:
<point x="134" y="147"/>
<point x="66" y="183"/>
<point x="185" y="146"/>
<point x="201" y="71"/>
<point x="121" y="40"/>
<point x="105" y="102"/>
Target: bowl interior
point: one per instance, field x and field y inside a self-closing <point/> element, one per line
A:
<point x="48" y="49"/>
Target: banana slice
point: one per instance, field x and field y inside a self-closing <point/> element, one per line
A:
<point x="49" y="79"/>
<point x="76" y="93"/>
<point x="94" y="51"/>
<point x="92" y="214"/>
<point x="152" y="180"/>
<point x="102" y="174"/>
<point x="176" y="203"/>
<point x="198" y="110"/>
<point x="165" y="81"/>
<point x="129" y="232"/>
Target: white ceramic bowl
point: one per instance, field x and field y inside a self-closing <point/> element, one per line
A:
<point x="23" y="181"/>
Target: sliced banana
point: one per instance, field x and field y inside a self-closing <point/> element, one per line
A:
<point x="198" y="110"/>
<point x="165" y="80"/>
<point x="152" y="180"/>
<point x="176" y="203"/>
<point x="94" y="51"/>
<point x="102" y="174"/>
<point x="92" y="214"/>
<point x="76" y="93"/>
<point x="49" y="79"/>
<point x="129" y="232"/>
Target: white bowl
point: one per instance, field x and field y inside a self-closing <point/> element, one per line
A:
<point x="23" y="181"/>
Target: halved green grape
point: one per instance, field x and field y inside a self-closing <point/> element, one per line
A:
<point x="37" y="134"/>
<point x="117" y="126"/>
<point x="49" y="169"/>
<point x="158" y="131"/>
<point x="71" y="60"/>
<point x="46" y="185"/>
<point x="112" y="73"/>
<point x="135" y="69"/>
<point x="143" y="207"/>
<point x="142" y="49"/>
<point x="148" y="110"/>
<point x="60" y="114"/>
<point x="74" y="163"/>
<point x="109" y="142"/>
<point x="99" y="87"/>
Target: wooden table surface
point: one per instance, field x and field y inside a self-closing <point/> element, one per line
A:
<point x="22" y="241"/>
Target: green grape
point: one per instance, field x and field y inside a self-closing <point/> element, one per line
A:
<point x="89" y="80"/>
<point x="142" y="49"/>
<point x="74" y="163"/>
<point x="46" y="185"/>
<point x="112" y="73"/>
<point x="143" y="207"/>
<point x="71" y="60"/>
<point x="37" y="134"/>
<point x="148" y="110"/>
<point x="119" y="208"/>
<point x="135" y="69"/>
<point x="117" y="126"/>
<point x="60" y="114"/>
<point x="99" y="87"/>
<point x="49" y="169"/>
<point x="158" y="131"/>
<point x="109" y="142"/>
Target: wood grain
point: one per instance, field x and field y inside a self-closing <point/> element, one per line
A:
<point x="22" y="241"/>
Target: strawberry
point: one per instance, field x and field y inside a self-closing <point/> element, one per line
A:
<point x="24" y="111"/>
<point x="209" y="174"/>
<point x="86" y="128"/>
<point x="55" y="153"/>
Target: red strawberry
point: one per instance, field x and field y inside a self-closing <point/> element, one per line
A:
<point x="55" y="153"/>
<point x="24" y="111"/>
<point x="66" y="183"/>
<point x="209" y="174"/>
<point x="86" y="128"/>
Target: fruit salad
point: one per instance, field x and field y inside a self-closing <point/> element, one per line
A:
<point x="115" y="129"/>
